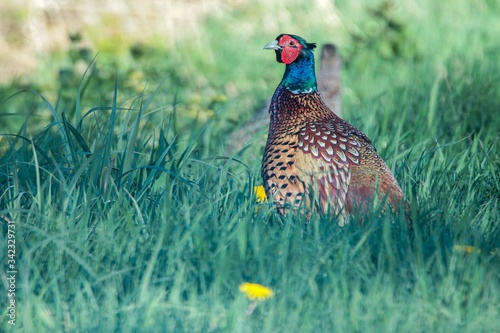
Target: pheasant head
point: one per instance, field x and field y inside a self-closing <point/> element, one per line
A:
<point x="298" y="56"/>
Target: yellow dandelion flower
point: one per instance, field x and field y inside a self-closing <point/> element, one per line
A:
<point x="256" y="291"/>
<point x="260" y="193"/>
<point x="466" y="249"/>
<point x="471" y="249"/>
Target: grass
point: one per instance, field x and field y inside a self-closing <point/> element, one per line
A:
<point x="129" y="216"/>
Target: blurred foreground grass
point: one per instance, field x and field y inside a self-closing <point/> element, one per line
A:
<point x="129" y="216"/>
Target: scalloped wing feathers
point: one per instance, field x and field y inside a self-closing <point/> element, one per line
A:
<point x="315" y="159"/>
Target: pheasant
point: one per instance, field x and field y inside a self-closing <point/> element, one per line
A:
<point x="313" y="158"/>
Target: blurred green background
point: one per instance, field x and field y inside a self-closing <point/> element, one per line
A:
<point x="210" y="52"/>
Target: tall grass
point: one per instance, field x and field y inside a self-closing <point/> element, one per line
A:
<point x="130" y="217"/>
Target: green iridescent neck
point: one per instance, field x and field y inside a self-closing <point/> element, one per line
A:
<point x="299" y="76"/>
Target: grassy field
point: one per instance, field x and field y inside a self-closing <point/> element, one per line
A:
<point x="130" y="216"/>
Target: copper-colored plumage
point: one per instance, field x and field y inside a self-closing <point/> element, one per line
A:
<point x="316" y="160"/>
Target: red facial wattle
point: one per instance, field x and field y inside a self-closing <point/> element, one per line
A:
<point x="290" y="49"/>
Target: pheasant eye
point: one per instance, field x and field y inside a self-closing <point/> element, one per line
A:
<point x="292" y="43"/>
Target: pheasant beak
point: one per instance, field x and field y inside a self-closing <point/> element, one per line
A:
<point x="272" y="46"/>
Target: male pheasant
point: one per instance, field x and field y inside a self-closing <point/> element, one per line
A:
<point x="313" y="158"/>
